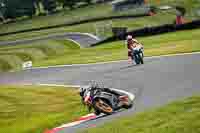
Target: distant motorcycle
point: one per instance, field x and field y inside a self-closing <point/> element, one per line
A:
<point x="106" y="100"/>
<point x="138" y="55"/>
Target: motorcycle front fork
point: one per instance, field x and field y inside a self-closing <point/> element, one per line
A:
<point x="136" y="55"/>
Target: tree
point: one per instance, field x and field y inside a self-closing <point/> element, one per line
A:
<point x="15" y="8"/>
<point x="49" y="5"/>
<point x="88" y="1"/>
<point x="37" y="5"/>
<point x="28" y="8"/>
<point x="68" y="3"/>
<point x="2" y="10"/>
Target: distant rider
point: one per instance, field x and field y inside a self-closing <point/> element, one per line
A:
<point x="130" y="43"/>
<point x="133" y="47"/>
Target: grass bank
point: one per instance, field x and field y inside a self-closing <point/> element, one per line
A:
<point x="12" y="57"/>
<point x="177" y="117"/>
<point x="32" y="109"/>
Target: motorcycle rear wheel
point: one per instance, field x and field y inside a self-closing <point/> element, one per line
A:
<point x="142" y="61"/>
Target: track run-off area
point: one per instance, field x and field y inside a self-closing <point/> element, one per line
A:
<point x="159" y="81"/>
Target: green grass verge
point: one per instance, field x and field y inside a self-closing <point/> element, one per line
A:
<point x="49" y="47"/>
<point x="26" y="54"/>
<point x="9" y="62"/>
<point x="177" y="117"/>
<point x="171" y="43"/>
<point x="32" y="109"/>
<point x="12" y="57"/>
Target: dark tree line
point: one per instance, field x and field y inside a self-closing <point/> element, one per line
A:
<point x="16" y="8"/>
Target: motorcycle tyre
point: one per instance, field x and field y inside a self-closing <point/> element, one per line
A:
<point x="101" y="111"/>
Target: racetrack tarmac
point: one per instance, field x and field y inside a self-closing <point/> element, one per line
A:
<point x="82" y="39"/>
<point x="157" y="82"/>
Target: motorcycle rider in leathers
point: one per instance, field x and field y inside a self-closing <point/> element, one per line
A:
<point x="131" y="45"/>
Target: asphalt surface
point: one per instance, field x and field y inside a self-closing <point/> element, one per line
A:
<point x="83" y="39"/>
<point x="157" y="82"/>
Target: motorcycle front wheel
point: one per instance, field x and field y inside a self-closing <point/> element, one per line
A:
<point x="141" y="58"/>
<point x="103" y="106"/>
<point x="138" y="57"/>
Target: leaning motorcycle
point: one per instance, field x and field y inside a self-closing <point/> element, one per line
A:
<point x="106" y="100"/>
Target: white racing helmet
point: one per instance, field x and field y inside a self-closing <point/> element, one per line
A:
<point x="129" y="37"/>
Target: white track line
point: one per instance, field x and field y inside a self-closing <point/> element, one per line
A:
<point x="91" y="35"/>
<point x="170" y="55"/>
<point x="74" y="42"/>
<point x="101" y="63"/>
<point x="132" y="96"/>
<point x="86" y="34"/>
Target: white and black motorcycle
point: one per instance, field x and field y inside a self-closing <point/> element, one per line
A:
<point x="106" y="100"/>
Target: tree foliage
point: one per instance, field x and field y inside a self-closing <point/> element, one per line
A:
<point x="49" y="5"/>
<point x="68" y="3"/>
<point x="71" y="4"/>
<point x="16" y="8"/>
